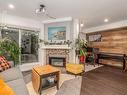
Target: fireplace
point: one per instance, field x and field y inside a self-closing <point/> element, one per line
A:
<point x="57" y="61"/>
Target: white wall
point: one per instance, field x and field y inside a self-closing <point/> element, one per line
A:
<point x="75" y="36"/>
<point x="41" y="51"/>
<point x="20" y="21"/>
<point x="107" y="26"/>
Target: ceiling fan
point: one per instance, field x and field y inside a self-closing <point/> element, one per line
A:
<point x="43" y="10"/>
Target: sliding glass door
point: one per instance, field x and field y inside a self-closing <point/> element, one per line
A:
<point x="26" y="39"/>
<point x="29" y="46"/>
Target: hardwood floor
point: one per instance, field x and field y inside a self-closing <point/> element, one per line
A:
<point x="105" y="80"/>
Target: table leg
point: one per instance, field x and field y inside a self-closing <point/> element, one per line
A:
<point x="97" y="60"/>
<point x="58" y="78"/>
<point x="40" y="88"/>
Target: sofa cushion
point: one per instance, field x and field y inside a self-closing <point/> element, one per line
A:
<point x="5" y="89"/>
<point x="18" y="86"/>
<point x="11" y="74"/>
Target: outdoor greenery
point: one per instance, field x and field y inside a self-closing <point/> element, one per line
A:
<point x="10" y="50"/>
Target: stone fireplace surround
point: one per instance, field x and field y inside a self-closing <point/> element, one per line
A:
<point x="57" y="53"/>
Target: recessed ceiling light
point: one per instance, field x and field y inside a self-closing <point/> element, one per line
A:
<point x="106" y="20"/>
<point x="11" y="6"/>
<point x="81" y="25"/>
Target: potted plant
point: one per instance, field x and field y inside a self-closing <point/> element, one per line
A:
<point x="10" y="50"/>
<point x="81" y="50"/>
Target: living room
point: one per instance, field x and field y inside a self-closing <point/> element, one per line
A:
<point x="63" y="48"/>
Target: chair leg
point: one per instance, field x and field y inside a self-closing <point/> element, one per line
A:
<point x="83" y="72"/>
<point x="125" y="69"/>
<point x="94" y="64"/>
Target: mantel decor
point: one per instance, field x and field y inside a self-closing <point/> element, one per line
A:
<point x="68" y="42"/>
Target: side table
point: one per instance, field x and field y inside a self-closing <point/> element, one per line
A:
<point x="39" y="72"/>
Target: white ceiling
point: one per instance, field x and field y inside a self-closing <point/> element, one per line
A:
<point x="92" y="12"/>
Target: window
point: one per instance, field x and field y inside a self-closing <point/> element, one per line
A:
<point x="12" y="34"/>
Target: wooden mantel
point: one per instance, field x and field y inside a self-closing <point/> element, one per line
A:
<point x="56" y="47"/>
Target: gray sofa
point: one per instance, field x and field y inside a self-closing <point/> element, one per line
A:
<point x="13" y="77"/>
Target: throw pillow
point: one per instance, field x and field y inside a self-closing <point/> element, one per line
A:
<point x="5" y="89"/>
<point x="4" y="65"/>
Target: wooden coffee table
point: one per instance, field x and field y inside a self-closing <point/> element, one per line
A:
<point x="39" y="72"/>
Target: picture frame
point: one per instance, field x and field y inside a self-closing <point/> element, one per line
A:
<point x="57" y="33"/>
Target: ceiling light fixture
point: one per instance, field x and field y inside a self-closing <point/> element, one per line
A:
<point x="43" y="10"/>
<point x="106" y="20"/>
<point x="11" y="6"/>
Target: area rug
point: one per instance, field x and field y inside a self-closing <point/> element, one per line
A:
<point x="50" y="91"/>
<point x="63" y="77"/>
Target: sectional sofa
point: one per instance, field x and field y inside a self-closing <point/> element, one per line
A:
<point x="13" y="77"/>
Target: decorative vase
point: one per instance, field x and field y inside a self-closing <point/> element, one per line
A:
<point x="82" y="59"/>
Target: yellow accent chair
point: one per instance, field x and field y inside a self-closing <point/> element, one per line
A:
<point x="75" y="69"/>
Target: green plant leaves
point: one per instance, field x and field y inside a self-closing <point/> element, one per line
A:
<point x="81" y="45"/>
<point x="9" y="48"/>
